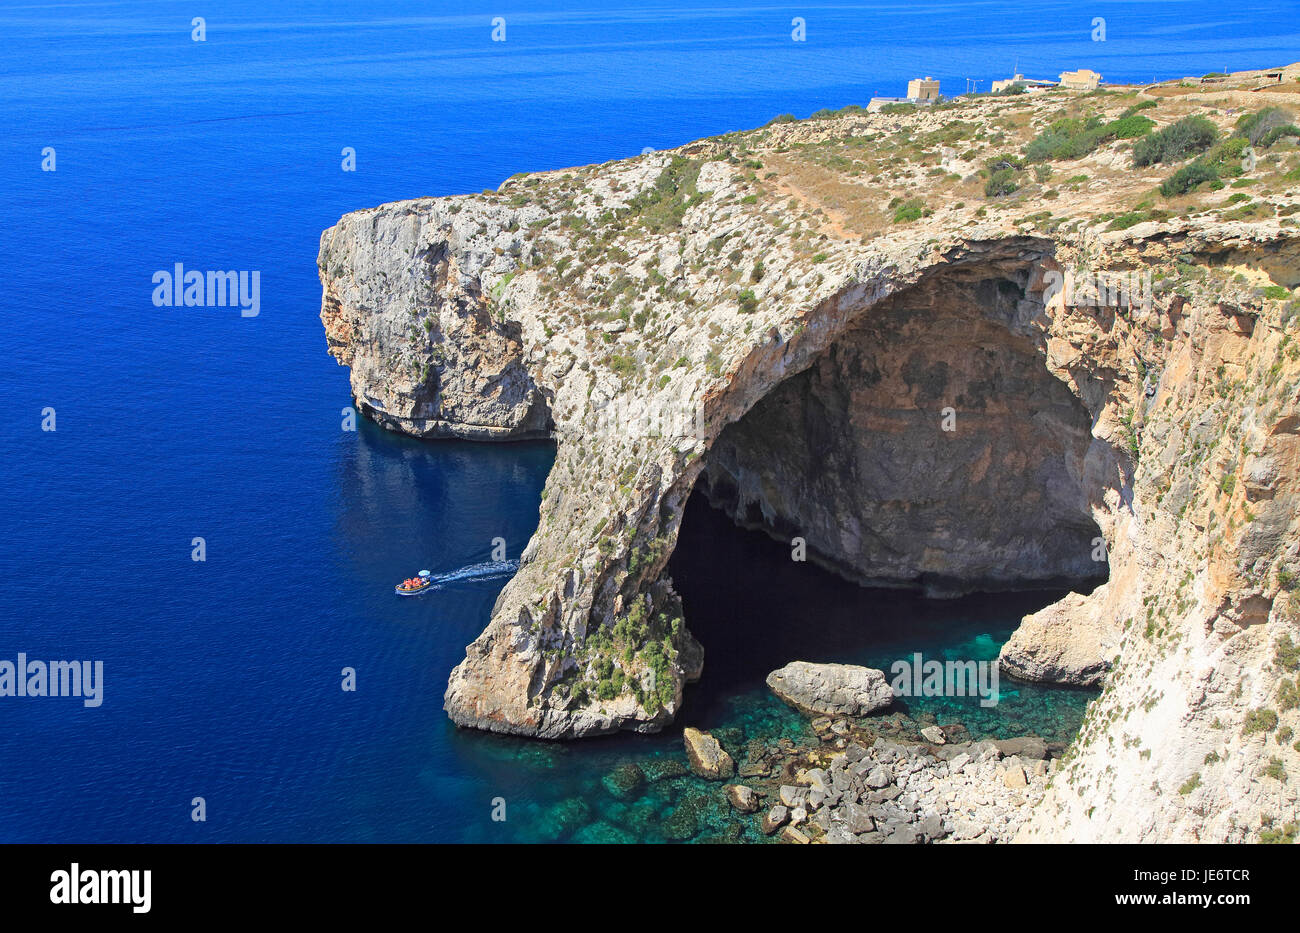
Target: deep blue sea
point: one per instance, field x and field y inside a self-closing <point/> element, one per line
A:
<point x="222" y="677"/>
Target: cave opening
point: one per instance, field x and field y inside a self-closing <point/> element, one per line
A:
<point x="921" y="487"/>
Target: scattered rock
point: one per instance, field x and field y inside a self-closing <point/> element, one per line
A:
<point x="1026" y="746"/>
<point x="934" y="735"/>
<point x="742" y="798"/>
<point x="790" y="834"/>
<point x="775" y="818"/>
<point x="880" y="776"/>
<point x="834" y="689"/>
<point x="708" y="758"/>
<point x="838" y="835"/>
<point x="792" y="796"/>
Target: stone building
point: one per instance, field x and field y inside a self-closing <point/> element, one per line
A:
<point x="926" y="88"/>
<point x="1081" y="80"/>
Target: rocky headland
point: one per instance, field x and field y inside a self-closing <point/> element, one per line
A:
<point x="1003" y="342"/>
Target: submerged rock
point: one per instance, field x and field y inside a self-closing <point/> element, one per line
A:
<point x="625" y="781"/>
<point x="603" y="834"/>
<point x="680" y="824"/>
<point x="832" y="689"/>
<point x="707" y="757"/>
<point x="683" y="822"/>
<point x="660" y="769"/>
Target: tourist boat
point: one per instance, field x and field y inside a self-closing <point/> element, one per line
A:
<point x="414" y="586"/>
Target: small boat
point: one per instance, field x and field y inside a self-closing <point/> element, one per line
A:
<point x="414" y="586"/>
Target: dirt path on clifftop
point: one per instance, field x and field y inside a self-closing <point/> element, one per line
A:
<point x="836" y="222"/>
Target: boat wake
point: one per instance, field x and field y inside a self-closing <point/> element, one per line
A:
<point x="488" y="570"/>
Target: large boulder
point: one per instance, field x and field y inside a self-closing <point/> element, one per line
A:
<point x="742" y="798"/>
<point x="707" y="757"/>
<point x="831" y="689"/>
<point x="1069" y="642"/>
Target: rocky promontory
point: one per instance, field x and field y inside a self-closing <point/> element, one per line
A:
<point x="898" y="343"/>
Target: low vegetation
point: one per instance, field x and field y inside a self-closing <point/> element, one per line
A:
<point x="1176" y="142"/>
<point x="1076" y="137"/>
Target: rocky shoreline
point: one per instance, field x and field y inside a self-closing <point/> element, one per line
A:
<point x="859" y="786"/>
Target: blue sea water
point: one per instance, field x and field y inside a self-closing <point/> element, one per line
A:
<point x="222" y="677"/>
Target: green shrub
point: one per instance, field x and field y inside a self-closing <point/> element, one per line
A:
<point x="1074" y="137"/>
<point x="1277" y="133"/>
<point x="1260" y="720"/>
<point x="1287" y="655"/>
<point x="1124" y="221"/>
<point x="663" y="206"/>
<point x="748" y="302"/>
<point x="1187" y="178"/>
<point x="1266" y="126"/>
<point x="1069" y="138"/>
<point x="910" y="210"/>
<point x="1226" y="157"/>
<point x="1176" y="142"/>
<point x="1002" y="175"/>
<point x="1001" y="182"/>
<point x="1288" y="696"/>
<point x="1285" y="835"/>
<point x="1129" y="127"/>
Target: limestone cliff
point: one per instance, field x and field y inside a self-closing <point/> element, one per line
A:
<point x="850" y="330"/>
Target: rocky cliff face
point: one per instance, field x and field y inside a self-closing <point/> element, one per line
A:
<point x="928" y="445"/>
<point x="404" y="308"/>
<point x="917" y="400"/>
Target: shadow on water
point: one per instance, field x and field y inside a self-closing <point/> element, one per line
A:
<point x="754" y="610"/>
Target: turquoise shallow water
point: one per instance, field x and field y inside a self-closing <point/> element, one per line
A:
<point x="754" y="609"/>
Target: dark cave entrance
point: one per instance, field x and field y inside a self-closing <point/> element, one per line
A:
<point x="852" y="456"/>
<point x="928" y="446"/>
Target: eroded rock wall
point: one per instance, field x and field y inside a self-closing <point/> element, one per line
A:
<point x="408" y="308"/>
<point x="928" y="446"/>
